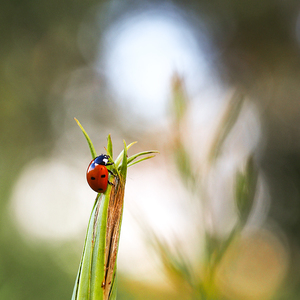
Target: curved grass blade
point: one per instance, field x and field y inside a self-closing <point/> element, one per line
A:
<point x="119" y="158"/>
<point x="142" y="159"/>
<point x="91" y="146"/>
<point x="133" y="157"/>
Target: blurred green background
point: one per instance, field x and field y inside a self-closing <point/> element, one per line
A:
<point x="111" y="64"/>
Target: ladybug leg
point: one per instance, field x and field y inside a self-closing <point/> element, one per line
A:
<point x="111" y="183"/>
<point x="110" y="172"/>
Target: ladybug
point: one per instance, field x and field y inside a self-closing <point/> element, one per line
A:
<point x="97" y="173"/>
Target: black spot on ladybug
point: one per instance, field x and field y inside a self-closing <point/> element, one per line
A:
<point x="100" y="189"/>
<point x="103" y="176"/>
<point x="93" y="178"/>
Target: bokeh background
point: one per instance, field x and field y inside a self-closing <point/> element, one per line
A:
<point x="120" y="68"/>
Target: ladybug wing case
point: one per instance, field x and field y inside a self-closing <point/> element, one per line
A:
<point x="97" y="177"/>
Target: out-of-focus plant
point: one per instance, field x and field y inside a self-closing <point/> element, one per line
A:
<point x="198" y="280"/>
<point x="96" y="278"/>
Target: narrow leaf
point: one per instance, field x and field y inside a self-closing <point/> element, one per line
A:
<point x="142" y="159"/>
<point x="76" y="287"/>
<point x="82" y="286"/>
<point x="133" y="157"/>
<point x="119" y="158"/>
<point x="109" y="147"/>
<point x="245" y="190"/>
<point x="91" y="146"/>
<point x="100" y="243"/>
<point x="184" y="165"/>
<point x="228" y="121"/>
<point x="123" y="167"/>
<point x="179" y="97"/>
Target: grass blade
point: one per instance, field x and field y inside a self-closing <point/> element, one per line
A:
<point x="133" y="157"/>
<point x="142" y="159"/>
<point x="91" y="146"/>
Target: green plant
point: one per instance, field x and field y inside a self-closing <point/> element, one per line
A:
<point x="96" y="278"/>
<point x="196" y="280"/>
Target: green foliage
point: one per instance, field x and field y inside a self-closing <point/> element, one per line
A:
<point x="245" y="189"/>
<point x="184" y="165"/>
<point x="91" y="146"/>
<point x="228" y="121"/>
<point x="96" y="278"/>
<point x="198" y="280"/>
<point x="180" y="100"/>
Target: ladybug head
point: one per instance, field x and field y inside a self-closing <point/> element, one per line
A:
<point x="102" y="159"/>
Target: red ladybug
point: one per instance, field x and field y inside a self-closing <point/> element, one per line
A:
<point x="97" y="173"/>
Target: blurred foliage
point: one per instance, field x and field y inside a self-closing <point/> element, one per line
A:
<point x="222" y="255"/>
<point x="189" y="279"/>
<point x="258" y="51"/>
<point x="245" y="189"/>
<point x="228" y="121"/>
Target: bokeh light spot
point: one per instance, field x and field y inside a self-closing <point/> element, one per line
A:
<point x="142" y="52"/>
<point x="48" y="201"/>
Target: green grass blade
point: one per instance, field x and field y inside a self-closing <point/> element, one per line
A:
<point x="82" y="286"/>
<point x="91" y="146"/>
<point x="245" y="190"/>
<point x="123" y="166"/>
<point x="133" y="157"/>
<point x="227" y="123"/>
<point x="142" y="159"/>
<point x="75" y="291"/>
<point x="119" y="158"/>
<point x="109" y="147"/>
<point x="99" y="253"/>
